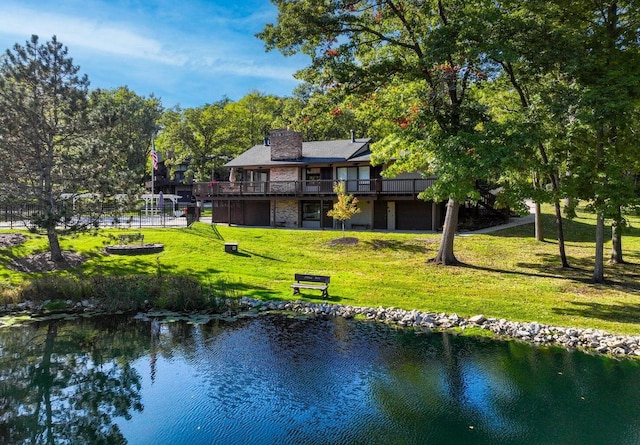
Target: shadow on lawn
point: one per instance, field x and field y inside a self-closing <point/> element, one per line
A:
<point x="575" y="231"/>
<point x="248" y="253"/>
<point x="623" y="313"/>
<point x="378" y="244"/>
<point x="558" y="272"/>
<point x="624" y="277"/>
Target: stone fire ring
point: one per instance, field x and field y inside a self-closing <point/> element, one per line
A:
<point x="134" y="249"/>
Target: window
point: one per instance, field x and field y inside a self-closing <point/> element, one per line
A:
<point x="311" y="211"/>
<point x="356" y="178"/>
<point x="312" y="174"/>
<point x="256" y="176"/>
<point x="256" y="181"/>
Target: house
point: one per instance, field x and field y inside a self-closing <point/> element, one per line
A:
<point x="163" y="182"/>
<point x="286" y="182"/>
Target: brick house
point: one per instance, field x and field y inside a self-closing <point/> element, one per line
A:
<point x="286" y="182"/>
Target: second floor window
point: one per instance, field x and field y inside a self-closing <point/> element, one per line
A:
<point x="312" y="174"/>
<point x="354" y="177"/>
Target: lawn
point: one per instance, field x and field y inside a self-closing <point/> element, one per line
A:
<point x="506" y="274"/>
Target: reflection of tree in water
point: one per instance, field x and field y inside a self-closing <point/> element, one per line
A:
<point x="50" y="393"/>
<point x="483" y="392"/>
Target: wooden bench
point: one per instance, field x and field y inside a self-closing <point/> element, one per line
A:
<point x="303" y="281"/>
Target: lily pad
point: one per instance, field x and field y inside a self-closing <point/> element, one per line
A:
<point x="15" y="320"/>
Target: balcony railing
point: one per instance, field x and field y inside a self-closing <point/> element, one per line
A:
<point x="359" y="187"/>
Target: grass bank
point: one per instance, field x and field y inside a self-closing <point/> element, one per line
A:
<point x="506" y="274"/>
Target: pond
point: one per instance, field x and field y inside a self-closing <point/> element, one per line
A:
<point x="276" y="379"/>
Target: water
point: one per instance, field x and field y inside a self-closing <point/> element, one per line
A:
<point x="280" y="380"/>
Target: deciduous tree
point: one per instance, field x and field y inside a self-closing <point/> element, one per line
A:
<point x="124" y="123"/>
<point x="362" y="46"/>
<point x="346" y="207"/>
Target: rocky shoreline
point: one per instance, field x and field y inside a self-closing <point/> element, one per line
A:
<point x="590" y="340"/>
<point x="536" y="333"/>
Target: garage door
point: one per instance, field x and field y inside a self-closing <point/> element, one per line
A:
<point x="413" y="215"/>
<point x="256" y="213"/>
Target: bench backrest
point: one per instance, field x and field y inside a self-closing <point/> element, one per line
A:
<point x="312" y="278"/>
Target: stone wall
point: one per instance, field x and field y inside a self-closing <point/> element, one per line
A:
<point x="286" y="213"/>
<point x="286" y="145"/>
<point x="279" y="174"/>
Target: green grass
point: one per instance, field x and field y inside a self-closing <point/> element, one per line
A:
<point x="506" y="274"/>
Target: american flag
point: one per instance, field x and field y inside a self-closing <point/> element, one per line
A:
<point x="154" y="157"/>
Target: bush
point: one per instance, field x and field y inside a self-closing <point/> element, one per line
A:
<point x="129" y="292"/>
<point x="54" y="287"/>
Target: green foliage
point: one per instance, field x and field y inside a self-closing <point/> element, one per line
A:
<point x="44" y="129"/>
<point x="52" y="287"/>
<point x="201" y="138"/>
<point x="57" y="143"/>
<point x="124" y="123"/>
<point x="207" y="137"/>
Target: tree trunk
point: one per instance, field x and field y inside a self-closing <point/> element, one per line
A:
<point x="54" y="245"/>
<point x="43" y="380"/>
<point x="555" y="187"/>
<point x="598" y="270"/>
<point x="445" y="254"/>
<point x="538" y="222"/>
<point x="570" y="208"/>
<point x="555" y="181"/>
<point x="616" y="240"/>
<point x="563" y="254"/>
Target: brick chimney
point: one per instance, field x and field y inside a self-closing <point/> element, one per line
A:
<point x="286" y="145"/>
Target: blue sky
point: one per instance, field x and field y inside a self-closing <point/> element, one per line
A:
<point x="186" y="52"/>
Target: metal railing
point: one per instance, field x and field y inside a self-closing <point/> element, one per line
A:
<point x="322" y="187"/>
<point x="21" y="216"/>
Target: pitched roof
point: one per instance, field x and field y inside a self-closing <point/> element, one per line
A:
<point x="317" y="152"/>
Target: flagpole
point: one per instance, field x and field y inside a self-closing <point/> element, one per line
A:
<point x="153" y="170"/>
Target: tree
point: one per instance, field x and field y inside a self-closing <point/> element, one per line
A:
<point x="532" y="95"/>
<point x="323" y="115"/>
<point x="124" y="123"/>
<point x="203" y="138"/>
<point x="363" y="46"/>
<point x="45" y="146"/>
<point x="605" y="64"/>
<point x="207" y="137"/>
<point x="346" y="206"/>
<point x="254" y="117"/>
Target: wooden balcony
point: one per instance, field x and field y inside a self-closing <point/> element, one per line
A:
<point x="360" y="187"/>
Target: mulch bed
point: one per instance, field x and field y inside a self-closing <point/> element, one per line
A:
<point x="11" y="239"/>
<point x="41" y="262"/>
<point x="347" y="241"/>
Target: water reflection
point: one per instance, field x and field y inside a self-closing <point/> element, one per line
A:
<point x="276" y="379"/>
<point x="62" y="383"/>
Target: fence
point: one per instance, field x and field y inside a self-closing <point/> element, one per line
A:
<point x="20" y="216"/>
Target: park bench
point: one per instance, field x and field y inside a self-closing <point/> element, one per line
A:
<point x="303" y="281"/>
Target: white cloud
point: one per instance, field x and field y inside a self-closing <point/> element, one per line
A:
<point x="181" y="51"/>
<point x="113" y="39"/>
<point x="248" y="68"/>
